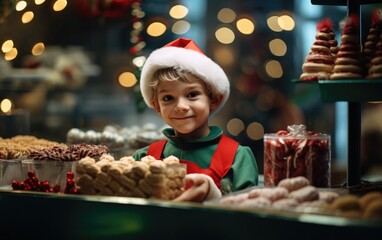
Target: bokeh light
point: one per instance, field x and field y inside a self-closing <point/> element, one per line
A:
<point x="245" y="26"/>
<point x="235" y="126"/>
<point x="181" y="27"/>
<point x="127" y="79"/>
<point x="178" y="11"/>
<point x="274" y="69"/>
<point x="225" y="35"/>
<point x="277" y="47"/>
<point x="156" y="29"/>
<point x="226" y="15"/>
<point x="27" y="17"/>
<point x="255" y="131"/>
<point x="38" y="49"/>
<point x="7" y="46"/>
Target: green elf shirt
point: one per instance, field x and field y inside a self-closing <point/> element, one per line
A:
<point x="242" y="174"/>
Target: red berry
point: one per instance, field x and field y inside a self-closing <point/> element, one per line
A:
<point x="31" y="173"/>
<point x="70" y="175"/>
<point x="56" y="188"/>
<point x="15" y="185"/>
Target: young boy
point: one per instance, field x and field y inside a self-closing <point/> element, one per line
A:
<point x="186" y="88"/>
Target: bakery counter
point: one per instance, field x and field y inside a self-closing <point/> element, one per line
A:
<point x="64" y="216"/>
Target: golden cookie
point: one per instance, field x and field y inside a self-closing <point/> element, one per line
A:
<point x="155" y="179"/>
<point x="157" y="167"/>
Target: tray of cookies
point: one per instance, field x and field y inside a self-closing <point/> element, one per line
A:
<point x="296" y="197"/>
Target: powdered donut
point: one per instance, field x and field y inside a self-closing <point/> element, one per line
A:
<point x="273" y="194"/>
<point x="307" y="193"/>
<point x="328" y="196"/>
<point x="259" y="202"/>
<point x="285" y="203"/>
<point x="292" y="184"/>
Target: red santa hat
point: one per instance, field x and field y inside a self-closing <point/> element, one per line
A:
<point x="184" y="53"/>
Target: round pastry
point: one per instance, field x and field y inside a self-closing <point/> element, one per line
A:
<point x="346" y="203"/>
<point x="366" y="199"/>
<point x="374" y="210"/>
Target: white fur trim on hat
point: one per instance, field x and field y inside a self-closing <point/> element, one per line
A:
<point x="191" y="60"/>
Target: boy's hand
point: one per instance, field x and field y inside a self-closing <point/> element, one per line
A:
<point x="199" y="187"/>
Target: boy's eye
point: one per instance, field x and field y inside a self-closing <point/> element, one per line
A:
<point x="193" y="94"/>
<point x="167" y="98"/>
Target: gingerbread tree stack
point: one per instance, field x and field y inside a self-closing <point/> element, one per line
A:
<point x="348" y="63"/>
<point x="372" y="50"/>
<point x="320" y="60"/>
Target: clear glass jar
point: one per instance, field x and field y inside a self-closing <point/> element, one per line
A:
<point x="297" y="153"/>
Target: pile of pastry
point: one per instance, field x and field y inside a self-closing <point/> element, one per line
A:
<point x="146" y="178"/>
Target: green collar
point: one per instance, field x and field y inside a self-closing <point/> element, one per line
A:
<point x="212" y="138"/>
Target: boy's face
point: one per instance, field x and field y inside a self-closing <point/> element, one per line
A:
<point x="185" y="107"/>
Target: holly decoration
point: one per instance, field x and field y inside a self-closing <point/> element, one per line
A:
<point x="32" y="183"/>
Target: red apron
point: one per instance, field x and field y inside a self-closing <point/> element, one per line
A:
<point x="221" y="161"/>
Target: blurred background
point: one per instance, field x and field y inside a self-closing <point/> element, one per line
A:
<point x="76" y="63"/>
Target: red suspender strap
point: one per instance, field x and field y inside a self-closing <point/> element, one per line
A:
<point x="221" y="160"/>
<point x="156" y="148"/>
<point x="223" y="157"/>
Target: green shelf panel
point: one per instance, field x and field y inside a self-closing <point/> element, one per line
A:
<point x="354" y="90"/>
<point x="33" y="215"/>
<point x="341" y="2"/>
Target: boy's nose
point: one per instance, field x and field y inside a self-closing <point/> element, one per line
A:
<point x="181" y="105"/>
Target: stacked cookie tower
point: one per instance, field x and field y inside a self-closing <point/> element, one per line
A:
<point x="348" y="63"/>
<point x="373" y="47"/>
<point x="147" y="178"/>
<point x="369" y="47"/>
<point x="320" y="60"/>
